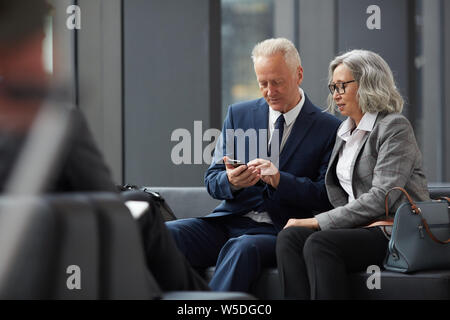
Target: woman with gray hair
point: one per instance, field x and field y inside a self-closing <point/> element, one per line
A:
<point x="375" y="150"/>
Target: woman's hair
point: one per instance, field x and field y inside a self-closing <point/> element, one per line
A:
<point x="270" y="47"/>
<point x="377" y="91"/>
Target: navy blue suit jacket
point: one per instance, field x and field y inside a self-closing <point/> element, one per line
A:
<point x="303" y="164"/>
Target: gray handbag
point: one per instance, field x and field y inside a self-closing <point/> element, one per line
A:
<point x="420" y="238"/>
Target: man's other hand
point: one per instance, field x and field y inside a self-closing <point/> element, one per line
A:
<point x="268" y="171"/>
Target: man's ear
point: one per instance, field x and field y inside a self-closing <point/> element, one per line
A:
<point x="299" y="75"/>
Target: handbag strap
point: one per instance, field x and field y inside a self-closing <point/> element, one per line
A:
<point x="414" y="207"/>
<point x="417" y="211"/>
<point x="387" y="221"/>
<point x="427" y="228"/>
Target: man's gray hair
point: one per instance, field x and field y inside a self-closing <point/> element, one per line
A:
<point x="273" y="46"/>
<point x="377" y="91"/>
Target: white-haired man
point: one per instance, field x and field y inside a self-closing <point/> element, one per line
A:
<point x="260" y="197"/>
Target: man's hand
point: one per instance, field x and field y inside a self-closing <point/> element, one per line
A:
<point x="269" y="173"/>
<point x="242" y="176"/>
<point x="311" y="223"/>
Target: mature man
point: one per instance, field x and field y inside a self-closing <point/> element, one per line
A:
<point x="259" y="197"/>
<point x="23" y="87"/>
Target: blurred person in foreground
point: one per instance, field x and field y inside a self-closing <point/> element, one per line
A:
<point x="24" y="86"/>
<point x="375" y="150"/>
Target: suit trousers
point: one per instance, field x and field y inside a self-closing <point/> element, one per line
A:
<point x="315" y="264"/>
<point x="167" y="265"/>
<point x="238" y="246"/>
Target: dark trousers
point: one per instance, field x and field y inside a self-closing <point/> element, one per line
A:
<point x="166" y="263"/>
<point x="315" y="264"/>
<point x="238" y="246"/>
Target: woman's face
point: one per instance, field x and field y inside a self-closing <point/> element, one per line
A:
<point x="347" y="102"/>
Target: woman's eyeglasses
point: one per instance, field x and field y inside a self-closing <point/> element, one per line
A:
<point x="339" y="87"/>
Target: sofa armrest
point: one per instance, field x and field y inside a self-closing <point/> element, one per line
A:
<point x="439" y="190"/>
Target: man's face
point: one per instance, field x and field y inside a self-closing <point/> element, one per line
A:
<point x="22" y="62"/>
<point x="278" y="83"/>
<point x="21" y="66"/>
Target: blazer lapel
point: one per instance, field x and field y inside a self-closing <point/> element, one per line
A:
<point x="358" y="151"/>
<point x="304" y="121"/>
<point x="335" y="153"/>
<point x="336" y="194"/>
<point x="261" y="115"/>
<point x="352" y="167"/>
<point x="261" y="121"/>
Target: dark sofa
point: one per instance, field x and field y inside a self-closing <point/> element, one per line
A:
<point x="195" y="201"/>
<point x="77" y="246"/>
<point x="96" y="232"/>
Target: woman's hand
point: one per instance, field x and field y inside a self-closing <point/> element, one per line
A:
<point x="311" y="223"/>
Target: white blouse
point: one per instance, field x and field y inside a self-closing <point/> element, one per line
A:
<point x="347" y="154"/>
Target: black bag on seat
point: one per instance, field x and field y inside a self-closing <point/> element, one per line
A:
<point x="157" y="203"/>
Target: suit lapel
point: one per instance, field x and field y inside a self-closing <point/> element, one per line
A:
<point x="358" y="151"/>
<point x="337" y="147"/>
<point x="336" y="194"/>
<point x="261" y="115"/>
<point x="304" y="121"/>
<point x="261" y="120"/>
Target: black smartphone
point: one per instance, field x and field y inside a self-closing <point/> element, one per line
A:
<point x="235" y="163"/>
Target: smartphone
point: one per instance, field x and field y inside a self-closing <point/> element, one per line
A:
<point x="235" y="163"/>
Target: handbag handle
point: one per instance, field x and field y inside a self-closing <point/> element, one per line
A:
<point x="417" y="211"/>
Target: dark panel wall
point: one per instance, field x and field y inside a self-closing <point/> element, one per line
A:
<point x="391" y="41"/>
<point x="166" y="87"/>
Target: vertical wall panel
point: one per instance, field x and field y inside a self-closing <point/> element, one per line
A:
<point x="317" y="46"/>
<point x="432" y="97"/>
<point x="446" y="117"/>
<point x="166" y="74"/>
<point x="391" y="41"/>
<point x="99" y="45"/>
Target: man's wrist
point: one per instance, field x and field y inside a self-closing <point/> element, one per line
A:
<point x="234" y="188"/>
<point x="276" y="180"/>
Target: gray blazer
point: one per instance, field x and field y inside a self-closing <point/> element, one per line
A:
<point x="388" y="157"/>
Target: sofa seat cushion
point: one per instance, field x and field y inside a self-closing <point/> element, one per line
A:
<point x="420" y="285"/>
<point x="394" y="285"/>
<point x="266" y="287"/>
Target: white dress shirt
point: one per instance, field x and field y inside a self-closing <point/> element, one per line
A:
<point x="289" y="120"/>
<point x="347" y="154"/>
